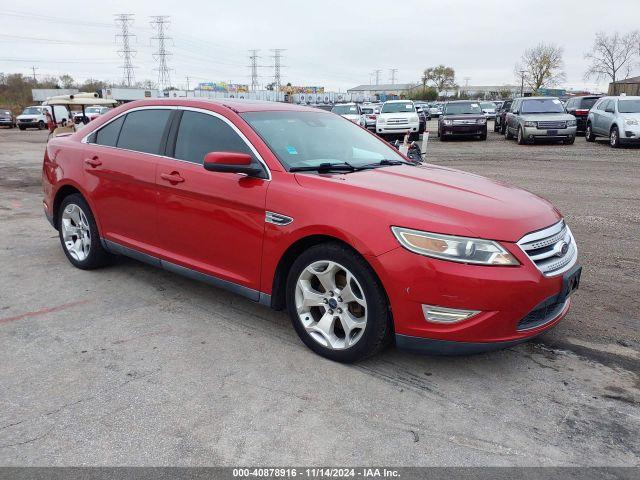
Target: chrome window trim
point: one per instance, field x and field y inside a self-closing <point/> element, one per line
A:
<point x="179" y="107"/>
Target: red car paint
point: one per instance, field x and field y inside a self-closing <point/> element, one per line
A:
<point x="214" y="223"/>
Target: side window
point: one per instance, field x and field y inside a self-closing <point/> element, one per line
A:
<point x="570" y="104"/>
<point x="200" y="133"/>
<point x="142" y="130"/>
<point x="108" y="135"/>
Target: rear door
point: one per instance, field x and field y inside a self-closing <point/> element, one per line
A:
<point x="210" y="222"/>
<point x="120" y="165"/>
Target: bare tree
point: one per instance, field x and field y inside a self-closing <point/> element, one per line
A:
<point x="541" y="66"/>
<point x="612" y="56"/>
<point x="441" y="77"/>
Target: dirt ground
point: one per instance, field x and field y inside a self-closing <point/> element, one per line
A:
<point x="131" y="365"/>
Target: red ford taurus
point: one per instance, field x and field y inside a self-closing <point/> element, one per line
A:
<point x="298" y="208"/>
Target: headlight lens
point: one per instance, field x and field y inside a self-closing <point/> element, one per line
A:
<point x="456" y="249"/>
<point x="381" y="120"/>
<point x="571" y="123"/>
<point x="631" y="121"/>
<point x="482" y="121"/>
<point x="447" y="122"/>
<point x="530" y="124"/>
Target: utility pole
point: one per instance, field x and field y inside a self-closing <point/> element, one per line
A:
<point x="392" y="73"/>
<point x="125" y="20"/>
<point x="277" y="65"/>
<point x="161" y="24"/>
<point x="187" y="82"/>
<point x="253" y="57"/>
<point x="522" y="72"/>
<point x="33" y="69"/>
<point x="377" y="74"/>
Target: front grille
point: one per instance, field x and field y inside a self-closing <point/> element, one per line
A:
<point x="544" y="313"/>
<point x="552" y="125"/>
<point x="464" y="122"/>
<point x="553" y="250"/>
<point x="398" y="121"/>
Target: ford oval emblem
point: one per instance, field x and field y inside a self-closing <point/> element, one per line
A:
<point x="563" y="248"/>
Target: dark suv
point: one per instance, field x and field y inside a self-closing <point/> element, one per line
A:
<point x="462" y="118"/>
<point x="579" y="107"/>
<point x="501" y="114"/>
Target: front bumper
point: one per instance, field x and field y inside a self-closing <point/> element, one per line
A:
<point x="6" y="123"/>
<point x="531" y="133"/>
<point x="383" y="129"/>
<point x="463" y="130"/>
<point x="630" y="134"/>
<point x="509" y="300"/>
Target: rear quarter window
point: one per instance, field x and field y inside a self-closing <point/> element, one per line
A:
<point x="108" y="135"/>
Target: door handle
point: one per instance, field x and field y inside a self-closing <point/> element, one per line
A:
<point x="93" y="162"/>
<point x="173" y="177"/>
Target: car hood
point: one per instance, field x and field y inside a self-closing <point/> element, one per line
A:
<point x="635" y="116"/>
<point x="541" y="117"/>
<point x="440" y="200"/>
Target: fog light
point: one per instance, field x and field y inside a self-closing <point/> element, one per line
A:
<point x="446" y="315"/>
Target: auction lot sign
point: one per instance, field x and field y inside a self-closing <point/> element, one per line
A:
<point x="408" y="473"/>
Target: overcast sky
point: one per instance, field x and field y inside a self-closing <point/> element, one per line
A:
<point x="336" y="44"/>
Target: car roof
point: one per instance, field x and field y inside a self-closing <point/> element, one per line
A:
<point x="234" y="104"/>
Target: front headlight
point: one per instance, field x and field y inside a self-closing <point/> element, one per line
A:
<point x="571" y="123"/>
<point x="415" y="118"/>
<point x="631" y="121"/>
<point x="381" y="120"/>
<point x="456" y="249"/>
<point x="530" y="124"/>
<point x="447" y="122"/>
<point x="482" y="121"/>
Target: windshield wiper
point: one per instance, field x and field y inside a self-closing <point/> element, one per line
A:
<point x="385" y="163"/>
<point x="328" y="167"/>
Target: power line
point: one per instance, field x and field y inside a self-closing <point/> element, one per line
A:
<point x="161" y="24"/>
<point x="392" y="73"/>
<point x="253" y="57"/>
<point x="277" y="65"/>
<point x="125" y="21"/>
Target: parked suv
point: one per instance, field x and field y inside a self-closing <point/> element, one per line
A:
<point x="350" y="111"/>
<point x="6" y="118"/>
<point x="579" y="107"/>
<point x="300" y="209"/>
<point x="534" y="118"/>
<point x="370" y="116"/>
<point x="398" y="117"/>
<point x="462" y="118"/>
<point x="499" y="124"/>
<point x="617" y="118"/>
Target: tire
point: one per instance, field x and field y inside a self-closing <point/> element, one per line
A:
<point x="369" y="306"/>
<point x="614" y="137"/>
<point x="496" y="127"/>
<point x="74" y="215"/>
<point x="569" y="141"/>
<point x="507" y="133"/>
<point x="588" y="133"/>
<point x="414" y="137"/>
<point x="41" y="125"/>
<point x="520" y="139"/>
<point x="22" y="128"/>
<point x="483" y="136"/>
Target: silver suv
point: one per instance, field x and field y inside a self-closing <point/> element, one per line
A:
<point x="532" y="118"/>
<point x="617" y="118"/>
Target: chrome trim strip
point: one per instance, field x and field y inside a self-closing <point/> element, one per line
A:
<point x="544" y="238"/>
<point x="247" y="292"/>
<point x="179" y="107"/>
<point x="277" y="219"/>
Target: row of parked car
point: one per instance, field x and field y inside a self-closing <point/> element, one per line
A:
<point x="36" y="116"/>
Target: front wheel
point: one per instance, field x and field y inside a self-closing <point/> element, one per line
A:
<point x="337" y="304"/>
<point x="521" y="140"/>
<point x="507" y="134"/>
<point x="614" y="137"/>
<point x="588" y="134"/>
<point x="79" y="234"/>
<point x="414" y="137"/>
<point x="41" y="125"/>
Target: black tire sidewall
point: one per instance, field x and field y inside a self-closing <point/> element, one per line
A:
<point x="97" y="256"/>
<point x="378" y="329"/>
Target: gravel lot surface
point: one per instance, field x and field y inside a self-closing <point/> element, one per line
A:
<point x="131" y="365"/>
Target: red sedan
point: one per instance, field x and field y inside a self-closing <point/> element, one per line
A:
<point x="302" y="210"/>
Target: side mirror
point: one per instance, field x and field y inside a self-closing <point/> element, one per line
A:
<point x="231" y="162"/>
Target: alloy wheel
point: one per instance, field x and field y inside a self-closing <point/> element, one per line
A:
<point x="331" y="305"/>
<point x="75" y="232"/>
<point x="614" y="137"/>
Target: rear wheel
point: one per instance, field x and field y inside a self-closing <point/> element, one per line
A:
<point x="336" y="303"/>
<point x="588" y="134"/>
<point x="614" y="137"/>
<point x="507" y="133"/>
<point x="521" y="140"/>
<point x="79" y="234"/>
<point x="41" y="125"/>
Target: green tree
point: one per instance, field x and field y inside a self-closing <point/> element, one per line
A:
<point x="441" y="77"/>
<point x="67" y="81"/>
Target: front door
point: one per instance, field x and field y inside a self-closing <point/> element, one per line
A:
<point x="210" y="222"/>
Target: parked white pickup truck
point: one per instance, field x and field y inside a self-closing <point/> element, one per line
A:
<point x="398" y="117"/>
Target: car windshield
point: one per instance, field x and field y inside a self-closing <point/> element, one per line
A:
<point x="308" y="139"/>
<point x="32" y="111"/>
<point x="345" y="109"/>
<point x="629" y="106"/>
<point x="396" y="107"/>
<point x="5" y="112"/>
<point x="587" y="103"/>
<point x="488" y="105"/>
<point x="465" y="108"/>
<point x="542" y="105"/>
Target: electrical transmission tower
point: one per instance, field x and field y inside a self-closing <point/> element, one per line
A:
<point x="392" y="73"/>
<point x="161" y="23"/>
<point x="253" y="57"/>
<point x="125" y="21"/>
<point x="277" y="65"/>
<point x="377" y="74"/>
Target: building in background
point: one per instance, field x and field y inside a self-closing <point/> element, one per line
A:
<point x="628" y="86"/>
<point x="382" y="92"/>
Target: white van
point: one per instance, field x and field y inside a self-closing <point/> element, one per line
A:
<point x="34" y="117"/>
